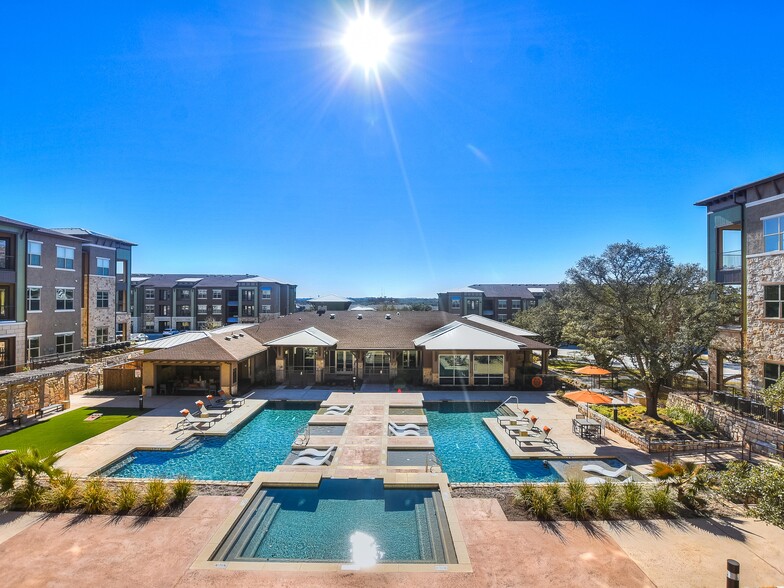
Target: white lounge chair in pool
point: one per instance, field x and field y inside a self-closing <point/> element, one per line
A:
<point x="404" y="427"/>
<point x="313" y="461"/>
<point x="404" y="432"/>
<point x="337" y="410"/>
<point x="312" y="452"/>
<point x="597" y="469"/>
<point x="192" y="422"/>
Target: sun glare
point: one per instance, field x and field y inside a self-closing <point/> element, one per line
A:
<point x="367" y="42"/>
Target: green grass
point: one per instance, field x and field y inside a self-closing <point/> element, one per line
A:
<point x="68" y="429"/>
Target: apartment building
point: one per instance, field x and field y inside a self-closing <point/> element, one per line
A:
<point x="13" y="246"/>
<point x="499" y="302"/>
<point x="195" y="301"/>
<point x="746" y="250"/>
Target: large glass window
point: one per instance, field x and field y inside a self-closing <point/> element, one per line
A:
<point x="102" y="265"/>
<point x="6" y="259"/>
<point x="164" y="295"/>
<point x="773" y="301"/>
<point x="34" y="249"/>
<point x="65" y="298"/>
<point x="772" y="229"/>
<point x="455" y="302"/>
<point x="65" y="257"/>
<point x="408" y="359"/>
<point x="489" y="370"/>
<point x="344" y="362"/>
<point x="772" y="372"/>
<point x="452" y="369"/>
<point x="64" y="342"/>
<point x="730" y="243"/>
<point x="377" y="362"/>
<point x="34" y="299"/>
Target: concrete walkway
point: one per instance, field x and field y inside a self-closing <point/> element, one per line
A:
<point x="71" y="550"/>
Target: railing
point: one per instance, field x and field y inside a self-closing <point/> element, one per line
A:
<point x="751" y="405"/>
<point x="433" y="462"/>
<point x="7" y="262"/>
<point x="500" y="407"/>
<point x="731" y="260"/>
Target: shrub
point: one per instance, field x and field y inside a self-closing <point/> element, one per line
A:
<point x="661" y="501"/>
<point x="632" y="499"/>
<point x="737" y="483"/>
<point x="27" y="465"/>
<point x="605" y="499"/>
<point x="96" y="497"/>
<point x="126" y="497"/>
<point x="695" y="420"/>
<point x="553" y="490"/>
<point x="28" y="497"/>
<point x="690" y="480"/>
<point x="543" y="503"/>
<point x="575" y="502"/>
<point x="64" y="493"/>
<point x="769" y="482"/>
<point x="524" y="494"/>
<point x="156" y="495"/>
<point x="182" y="489"/>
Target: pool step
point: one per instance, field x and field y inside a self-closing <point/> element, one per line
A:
<point x="423" y="530"/>
<point x="252" y="546"/>
<point x="241" y="534"/>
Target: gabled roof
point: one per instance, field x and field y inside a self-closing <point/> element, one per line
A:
<point x="310" y="337"/>
<point x="457" y="336"/>
<point x="86" y="233"/>
<point x="505" y="327"/>
<point x="211" y="346"/>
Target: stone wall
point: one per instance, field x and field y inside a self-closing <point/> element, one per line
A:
<point x="100" y="317"/>
<point x="730" y="424"/>
<point x="764" y="337"/>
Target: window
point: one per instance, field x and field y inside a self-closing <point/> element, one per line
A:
<point x="248" y="310"/>
<point x="515" y="304"/>
<point x="34" y="254"/>
<point x="120" y="267"/>
<point x="120" y="303"/>
<point x="730" y="239"/>
<point x="773" y="300"/>
<point x="376" y="362"/>
<point x="344" y="362"/>
<point x="34" y="299"/>
<point x="247" y="295"/>
<point x="102" y="264"/>
<point x="472" y="305"/>
<point x="202" y="308"/>
<point x="65" y="257"/>
<point x="201" y="294"/>
<point x="502" y="305"/>
<point x="65" y="298"/>
<point x="456" y="302"/>
<point x="101" y="335"/>
<point x="201" y="326"/>
<point x="149" y="308"/>
<point x="6" y="259"/>
<point x="149" y="294"/>
<point x="164" y="310"/>
<point x="266" y="308"/>
<point x="34" y="347"/>
<point x="488" y="370"/>
<point x="772" y="372"/>
<point x="102" y="299"/>
<point x="452" y="369"/>
<point x="772" y="229"/>
<point x="164" y="295"/>
<point x="217" y="294"/>
<point x="64" y="342"/>
<point x="408" y="360"/>
<point x="183" y="294"/>
<point x="7" y="354"/>
<point x="266" y="293"/>
<point x="501" y="318"/>
<point x="217" y="308"/>
<point x="149" y="325"/>
<point x="183" y="309"/>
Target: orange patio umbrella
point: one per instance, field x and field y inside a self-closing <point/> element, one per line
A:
<point x="588" y="397"/>
<point x="593" y="370"/>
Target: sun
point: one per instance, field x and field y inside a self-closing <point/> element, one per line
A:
<point x="367" y="42"/>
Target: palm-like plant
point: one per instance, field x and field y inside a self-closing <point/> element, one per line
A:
<point x="688" y="479"/>
<point x="28" y="465"/>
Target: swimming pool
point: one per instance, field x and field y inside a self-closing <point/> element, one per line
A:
<point x="469" y="452"/>
<point x="354" y="521"/>
<point x="260" y="445"/>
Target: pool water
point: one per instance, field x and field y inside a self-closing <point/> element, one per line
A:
<point x="260" y="445"/>
<point x="353" y="521"/>
<point x="469" y="452"/>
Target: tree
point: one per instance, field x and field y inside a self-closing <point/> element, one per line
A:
<point x="544" y="319"/>
<point x="688" y="479"/>
<point x="28" y="465"/>
<point x="634" y="305"/>
<point x="773" y="395"/>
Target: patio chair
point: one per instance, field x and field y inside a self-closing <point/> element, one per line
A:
<point x="513" y="430"/>
<point x="228" y="398"/>
<point x="404" y="427"/>
<point x="337" y="410"/>
<point x="512" y="419"/>
<point x="215" y="406"/>
<point x="192" y="422"/>
<point x="404" y="432"/>
<point x="313" y="461"/>
<point x="543" y="440"/>
<point x="597" y="469"/>
<point x="313" y="452"/>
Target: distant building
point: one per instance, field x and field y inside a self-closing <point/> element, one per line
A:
<point x="192" y="301"/>
<point x="746" y="250"/>
<point x="499" y="302"/>
<point x="330" y="302"/>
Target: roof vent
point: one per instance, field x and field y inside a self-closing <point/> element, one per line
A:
<point x="359" y="316"/>
<point x="332" y="315"/>
<point x="388" y="316"/>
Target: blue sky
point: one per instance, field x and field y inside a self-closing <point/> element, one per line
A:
<point x="234" y="137"/>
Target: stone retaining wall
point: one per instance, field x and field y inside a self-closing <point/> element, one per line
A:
<point x="733" y="425"/>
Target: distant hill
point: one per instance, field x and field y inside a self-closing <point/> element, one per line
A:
<point x="387" y="302"/>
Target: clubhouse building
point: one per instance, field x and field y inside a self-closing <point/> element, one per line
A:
<point x="349" y="348"/>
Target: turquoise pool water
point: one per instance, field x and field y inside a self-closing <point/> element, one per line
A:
<point x="470" y="453"/>
<point x="354" y="521"/>
<point x="259" y="446"/>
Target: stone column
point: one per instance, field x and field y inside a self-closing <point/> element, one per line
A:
<point x="41" y="393"/>
<point x="280" y="366"/>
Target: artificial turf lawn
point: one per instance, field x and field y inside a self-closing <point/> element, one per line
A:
<point x="67" y="429"/>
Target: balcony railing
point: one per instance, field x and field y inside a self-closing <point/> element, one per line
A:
<point x="7" y="262"/>
<point x="731" y="260"/>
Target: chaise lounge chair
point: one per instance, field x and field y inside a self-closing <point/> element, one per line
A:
<point x="511" y="419"/>
<point x="313" y="452"/>
<point x="543" y="440"/>
<point x="192" y="422"/>
<point x="514" y="430"/>
<point x="404" y="432"/>
<point x="597" y="469"/>
<point x="313" y="461"/>
<point x="337" y="410"/>
<point x="228" y="398"/>
<point x="405" y="427"/>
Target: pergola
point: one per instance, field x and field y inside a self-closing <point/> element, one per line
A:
<point x="11" y="383"/>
